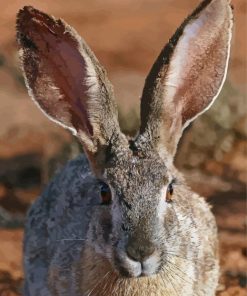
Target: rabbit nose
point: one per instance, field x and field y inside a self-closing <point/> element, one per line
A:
<point x="139" y="250"/>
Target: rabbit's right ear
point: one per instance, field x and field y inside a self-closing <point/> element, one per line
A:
<point x="66" y="80"/>
<point x="187" y="76"/>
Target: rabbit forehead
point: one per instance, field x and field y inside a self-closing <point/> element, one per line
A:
<point x="137" y="179"/>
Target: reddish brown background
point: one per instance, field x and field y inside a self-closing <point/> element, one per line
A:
<point x="126" y="37"/>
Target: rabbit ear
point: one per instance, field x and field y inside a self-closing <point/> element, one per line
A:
<point x="65" y="79"/>
<point x="187" y="76"/>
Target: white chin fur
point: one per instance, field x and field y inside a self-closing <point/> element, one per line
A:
<point x="136" y="269"/>
<point x="150" y="265"/>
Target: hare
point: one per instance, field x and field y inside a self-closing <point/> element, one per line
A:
<point x="121" y="220"/>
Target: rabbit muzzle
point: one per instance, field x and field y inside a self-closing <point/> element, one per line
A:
<point x="137" y="256"/>
<point x="129" y="266"/>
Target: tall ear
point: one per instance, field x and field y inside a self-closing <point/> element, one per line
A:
<point x="65" y="79"/>
<point x="186" y="77"/>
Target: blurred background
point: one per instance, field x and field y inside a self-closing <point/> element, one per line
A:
<point x="126" y="36"/>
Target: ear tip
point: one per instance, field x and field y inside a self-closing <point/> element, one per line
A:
<point x="25" y="13"/>
<point x="29" y="20"/>
<point x="23" y="17"/>
<point x="28" y="13"/>
<point x="217" y="4"/>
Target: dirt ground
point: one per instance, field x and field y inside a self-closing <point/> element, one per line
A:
<point x="126" y="36"/>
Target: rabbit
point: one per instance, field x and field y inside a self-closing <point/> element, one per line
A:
<point x="120" y="219"/>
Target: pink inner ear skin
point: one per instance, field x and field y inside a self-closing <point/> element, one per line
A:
<point x="57" y="57"/>
<point x="199" y="62"/>
<point x="204" y="79"/>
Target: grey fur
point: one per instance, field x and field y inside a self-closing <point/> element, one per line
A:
<point x="142" y="243"/>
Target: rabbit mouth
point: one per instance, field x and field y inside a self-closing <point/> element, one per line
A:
<point x="127" y="267"/>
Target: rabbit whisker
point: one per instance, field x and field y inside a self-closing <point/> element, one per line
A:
<point x="191" y="259"/>
<point x="170" y="282"/>
<point x="97" y="284"/>
<point x="162" y="278"/>
<point x="173" y="285"/>
<point x="177" y="268"/>
<point x="175" y="273"/>
<point x="185" y="232"/>
<point x="104" y="287"/>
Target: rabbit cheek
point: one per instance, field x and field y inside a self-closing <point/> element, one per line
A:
<point x="99" y="234"/>
<point x="116" y="220"/>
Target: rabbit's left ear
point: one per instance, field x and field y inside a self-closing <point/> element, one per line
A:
<point x="187" y="76"/>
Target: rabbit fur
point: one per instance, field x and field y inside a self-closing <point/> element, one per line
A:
<point x="141" y="242"/>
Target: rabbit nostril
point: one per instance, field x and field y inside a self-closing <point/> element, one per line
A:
<point x="132" y="254"/>
<point x="139" y="251"/>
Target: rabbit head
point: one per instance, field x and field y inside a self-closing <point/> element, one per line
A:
<point x="139" y="212"/>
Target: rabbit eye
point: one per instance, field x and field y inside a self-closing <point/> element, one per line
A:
<point x="105" y="193"/>
<point x="169" y="192"/>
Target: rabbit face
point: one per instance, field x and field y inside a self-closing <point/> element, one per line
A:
<point x="130" y="231"/>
